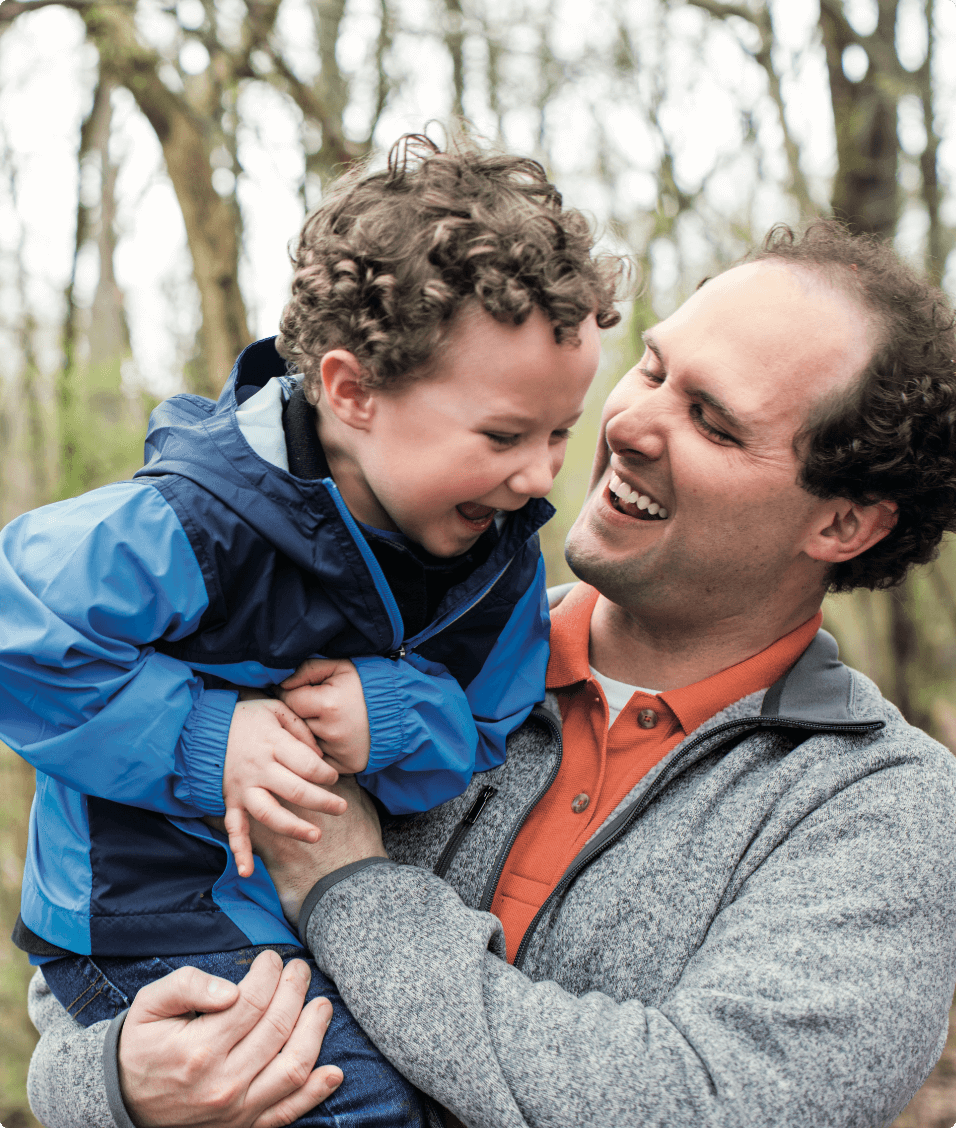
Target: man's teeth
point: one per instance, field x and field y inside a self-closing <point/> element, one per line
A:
<point x="632" y="497"/>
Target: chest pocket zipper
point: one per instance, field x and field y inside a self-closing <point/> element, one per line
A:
<point x="443" y="864"/>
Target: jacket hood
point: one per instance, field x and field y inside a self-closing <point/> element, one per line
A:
<point x="196" y="438"/>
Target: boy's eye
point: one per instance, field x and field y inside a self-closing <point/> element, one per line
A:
<point x="561" y="436"/>
<point x="502" y="440"/>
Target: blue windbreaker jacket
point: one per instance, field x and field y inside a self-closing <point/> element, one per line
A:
<point x="127" y="612"/>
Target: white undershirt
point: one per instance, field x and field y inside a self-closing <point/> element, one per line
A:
<point x="618" y="693"/>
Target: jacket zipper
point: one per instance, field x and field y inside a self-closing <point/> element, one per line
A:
<point x="453" y="617"/>
<point x="488" y="894"/>
<point x="666" y="776"/>
<point x="451" y="849"/>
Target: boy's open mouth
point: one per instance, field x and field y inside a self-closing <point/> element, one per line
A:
<point x="479" y="517"/>
<point x="634" y="504"/>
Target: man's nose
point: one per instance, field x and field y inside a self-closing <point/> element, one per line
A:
<point x="535" y="477"/>
<point x="640" y="428"/>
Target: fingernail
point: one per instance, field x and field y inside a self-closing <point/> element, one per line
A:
<point x="217" y="988"/>
<point x="335" y="1079"/>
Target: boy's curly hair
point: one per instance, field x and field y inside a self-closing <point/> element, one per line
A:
<point x="893" y="437"/>
<point x="388" y="258"/>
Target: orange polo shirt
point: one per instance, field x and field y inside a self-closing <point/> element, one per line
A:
<point x="600" y="765"/>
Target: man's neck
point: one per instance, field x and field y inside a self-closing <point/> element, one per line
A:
<point x="632" y="649"/>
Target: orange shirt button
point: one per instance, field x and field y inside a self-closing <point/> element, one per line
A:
<point x="580" y="803"/>
<point x="647" y="718"/>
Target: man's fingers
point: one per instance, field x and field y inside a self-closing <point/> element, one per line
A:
<point x="237" y="828"/>
<point x="321" y="1084"/>
<point x="314" y="671"/>
<point x="277" y="1027"/>
<point x="182" y="992"/>
<point x="290" y="1085"/>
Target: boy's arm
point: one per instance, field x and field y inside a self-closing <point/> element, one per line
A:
<point x="428" y="735"/>
<point x="85" y="586"/>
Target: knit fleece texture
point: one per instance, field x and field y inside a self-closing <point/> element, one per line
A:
<point x="769" y="942"/>
<point x="763" y="935"/>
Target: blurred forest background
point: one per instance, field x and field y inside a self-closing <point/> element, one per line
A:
<point x="156" y="158"/>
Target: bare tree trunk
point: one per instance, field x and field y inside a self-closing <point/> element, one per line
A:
<point x="211" y="222"/>
<point x="865" y="192"/>
<point x="454" y="25"/>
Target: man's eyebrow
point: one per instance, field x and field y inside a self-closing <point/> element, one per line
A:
<point x="716" y="404"/>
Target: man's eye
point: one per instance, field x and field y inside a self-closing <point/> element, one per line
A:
<point x="697" y="414"/>
<point x="502" y="440"/>
<point x="656" y="378"/>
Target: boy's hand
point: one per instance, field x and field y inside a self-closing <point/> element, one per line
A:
<point x="270" y="753"/>
<point x="327" y="694"/>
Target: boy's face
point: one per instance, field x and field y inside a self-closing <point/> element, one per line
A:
<point x="485" y="431"/>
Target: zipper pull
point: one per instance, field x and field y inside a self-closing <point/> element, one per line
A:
<point x="396" y="654"/>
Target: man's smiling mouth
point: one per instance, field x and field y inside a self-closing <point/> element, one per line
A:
<point x="634" y="504"/>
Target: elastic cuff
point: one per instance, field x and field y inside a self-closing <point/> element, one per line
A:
<point x="114" y="1093"/>
<point x="383" y="701"/>
<point x="318" y="891"/>
<point x="203" y="743"/>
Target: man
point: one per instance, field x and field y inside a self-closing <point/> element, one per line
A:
<point x="736" y="904"/>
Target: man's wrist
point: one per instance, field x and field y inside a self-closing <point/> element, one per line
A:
<point x="324" y="884"/>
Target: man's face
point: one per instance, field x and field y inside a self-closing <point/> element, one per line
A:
<point x="483" y="433"/>
<point x="703" y="427"/>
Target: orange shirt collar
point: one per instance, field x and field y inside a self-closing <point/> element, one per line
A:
<point x="691" y="704"/>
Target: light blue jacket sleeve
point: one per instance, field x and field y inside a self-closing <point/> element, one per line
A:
<point x="429" y="736"/>
<point x="85" y="586"/>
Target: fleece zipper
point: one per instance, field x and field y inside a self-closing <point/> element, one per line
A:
<point x="622" y="823"/>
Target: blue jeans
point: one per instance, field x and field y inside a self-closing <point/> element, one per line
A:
<point x="373" y="1094"/>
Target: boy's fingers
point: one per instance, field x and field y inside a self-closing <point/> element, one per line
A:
<point x="314" y="671"/>
<point x="237" y="828"/>
<point x="295" y="726"/>
<point x="290" y="788"/>
<point x="266" y="810"/>
<point x="306" y="765"/>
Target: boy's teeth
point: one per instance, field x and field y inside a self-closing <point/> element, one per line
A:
<point x="632" y="497"/>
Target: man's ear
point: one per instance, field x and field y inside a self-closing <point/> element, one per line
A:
<point x="847" y="529"/>
<point x="343" y="390"/>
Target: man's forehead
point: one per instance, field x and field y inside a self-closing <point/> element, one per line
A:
<point x="761" y="332"/>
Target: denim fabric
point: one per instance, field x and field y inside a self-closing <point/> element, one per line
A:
<point x="373" y="1094"/>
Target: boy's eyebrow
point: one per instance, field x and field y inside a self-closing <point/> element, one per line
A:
<point x="730" y="417"/>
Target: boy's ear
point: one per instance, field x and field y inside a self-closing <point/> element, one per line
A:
<point x="847" y="529"/>
<point x="343" y="391"/>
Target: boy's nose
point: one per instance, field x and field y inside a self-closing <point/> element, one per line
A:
<point x="536" y="477"/>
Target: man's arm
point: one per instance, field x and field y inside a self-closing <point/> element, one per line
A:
<point x="245" y="1060"/>
<point x="824" y="1008"/>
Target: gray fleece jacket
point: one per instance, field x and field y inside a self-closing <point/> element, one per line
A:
<point x="762" y="934"/>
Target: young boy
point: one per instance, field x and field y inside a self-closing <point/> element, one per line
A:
<point x="371" y="515"/>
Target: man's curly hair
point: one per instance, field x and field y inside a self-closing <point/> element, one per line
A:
<point x="386" y="261"/>
<point x="893" y="436"/>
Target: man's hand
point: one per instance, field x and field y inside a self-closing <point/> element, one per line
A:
<point x="246" y="1061"/>
<point x="296" y="866"/>
<point x="327" y="693"/>
<point x="271" y="754"/>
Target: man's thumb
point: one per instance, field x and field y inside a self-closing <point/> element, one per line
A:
<point x="183" y="993"/>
